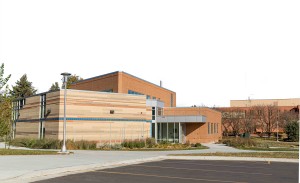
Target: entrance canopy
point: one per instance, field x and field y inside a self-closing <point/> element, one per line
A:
<point x="182" y="119"/>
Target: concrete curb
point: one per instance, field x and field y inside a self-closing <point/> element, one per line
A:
<point x="226" y="158"/>
<point x="58" y="172"/>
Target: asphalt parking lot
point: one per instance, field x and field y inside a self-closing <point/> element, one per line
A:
<point x="183" y="171"/>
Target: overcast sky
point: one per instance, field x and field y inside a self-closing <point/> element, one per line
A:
<point x="208" y="51"/>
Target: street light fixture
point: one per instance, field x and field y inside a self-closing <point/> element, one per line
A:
<point x="65" y="79"/>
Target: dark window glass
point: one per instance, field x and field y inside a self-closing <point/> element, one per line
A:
<point x="108" y="90"/>
<point x="153" y="130"/>
<point x="153" y="113"/>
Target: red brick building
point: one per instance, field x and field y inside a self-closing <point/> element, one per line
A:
<point x="258" y="116"/>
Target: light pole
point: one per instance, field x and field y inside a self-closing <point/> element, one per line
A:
<point x="65" y="79"/>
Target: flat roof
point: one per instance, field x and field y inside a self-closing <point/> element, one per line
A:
<point x="268" y="99"/>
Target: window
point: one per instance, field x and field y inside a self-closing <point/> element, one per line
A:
<point x="159" y="111"/>
<point x="148" y="97"/>
<point x="43" y="115"/>
<point x="153" y="113"/>
<point x="217" y="128"/>
<point x="154" y="98"/>
<point x="107" y="90"/>
<point x="208" y="128"/>
<point x="43" y="106"/>
<point x="112" y="112"/>
<point x="211" y="128"/>
<point x="134" y="92"/>
<point x="22" y="103"/>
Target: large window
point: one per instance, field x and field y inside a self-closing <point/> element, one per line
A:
<point x="168" y="132"/>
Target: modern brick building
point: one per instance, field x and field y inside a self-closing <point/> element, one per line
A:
<point x="264" y="114"/>
<point x="112" y="108"/>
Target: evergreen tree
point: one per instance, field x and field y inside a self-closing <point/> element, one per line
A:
<point x="54" y="87"/>
<point x="5" y="107"/>
<point x="5" y="117"/>
<point x="23" y="88"/>
<point x="292" y="130"/>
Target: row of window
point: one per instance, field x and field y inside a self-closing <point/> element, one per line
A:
<point x="212" y="128"/>
<point x="138" y="93"/>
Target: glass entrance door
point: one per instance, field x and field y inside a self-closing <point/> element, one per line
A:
<point x="168" y="132"/>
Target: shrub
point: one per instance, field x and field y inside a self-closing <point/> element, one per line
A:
<point x="239" y="142"/>
<point x="133" y="144"/>
<point x="53" y="144"/>
<point x="150" y="142"/>
<point x="197" y="145"/>
<point x="292" y="131"/>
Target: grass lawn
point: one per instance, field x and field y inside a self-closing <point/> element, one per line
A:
<point x="289" y="155"/>
<point x="269" y="149"/>
<point x="261" y="144"/>
<point x="25" y="152"/>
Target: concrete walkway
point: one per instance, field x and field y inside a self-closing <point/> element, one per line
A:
<point x="29" y="168"/>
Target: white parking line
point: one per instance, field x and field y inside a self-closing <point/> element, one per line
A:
<point x="169" y="177"/>
<point x="205" y="170"/>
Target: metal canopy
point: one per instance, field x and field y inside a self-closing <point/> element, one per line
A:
<point x="182" y="119"/>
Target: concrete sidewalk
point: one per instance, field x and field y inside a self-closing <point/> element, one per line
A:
<point x="29" y="168"/>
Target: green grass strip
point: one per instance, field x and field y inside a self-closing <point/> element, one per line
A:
<point x="25" y="152"/>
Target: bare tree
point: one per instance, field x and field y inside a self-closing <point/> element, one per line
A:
<point x="266" y="117"/>
<point x="249" y="124"/>
<point x="232" y="121"/>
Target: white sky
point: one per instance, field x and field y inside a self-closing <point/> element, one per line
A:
<point x="207" y="51"/>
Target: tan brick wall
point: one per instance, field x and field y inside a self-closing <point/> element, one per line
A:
<point x="31" y="109"/>
<point x="27" y="130"/>
<point x="106" y="132"/>
<point x="88" y="104"/>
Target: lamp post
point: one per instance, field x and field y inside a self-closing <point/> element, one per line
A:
<point x="65" y="79"/>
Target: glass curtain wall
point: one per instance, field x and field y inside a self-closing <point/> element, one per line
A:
<point x="168" y="132"/>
